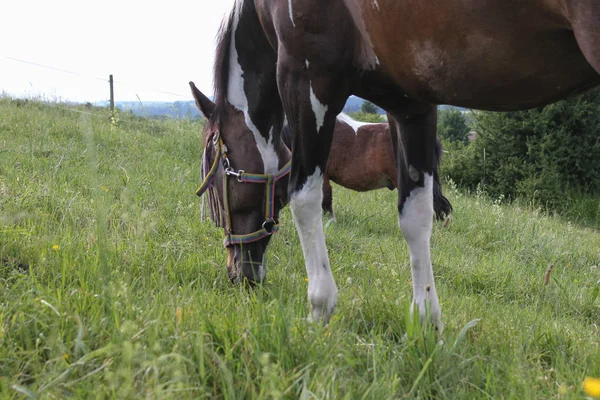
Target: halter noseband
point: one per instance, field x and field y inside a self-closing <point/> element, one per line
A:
<point x="270" y="225"/>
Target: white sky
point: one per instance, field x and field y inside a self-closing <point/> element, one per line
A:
<point x="144" y="44"/>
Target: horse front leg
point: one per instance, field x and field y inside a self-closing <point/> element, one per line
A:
<point x="311" y="102"/>
<point x="417" y="141"/>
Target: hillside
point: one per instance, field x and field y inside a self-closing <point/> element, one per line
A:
<point x="126" y="295"/>
<point x="187" y="109"/>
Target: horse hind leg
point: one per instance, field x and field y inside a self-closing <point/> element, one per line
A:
<point x="415" y="204"/>
<point x="441" y="205"/>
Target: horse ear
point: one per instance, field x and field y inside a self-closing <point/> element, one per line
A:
<point x="204" y="104"/>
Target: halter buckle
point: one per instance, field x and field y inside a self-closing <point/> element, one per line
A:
<point x="231" y="172"/>
<point x="239" y="175"/>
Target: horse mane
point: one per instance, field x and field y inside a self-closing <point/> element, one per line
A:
<point x="220" y="83"/>
<point x="221" y="66"/>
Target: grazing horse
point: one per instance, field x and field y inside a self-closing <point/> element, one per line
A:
<point x="362" y="159"/>
<point x="303" y="59"/>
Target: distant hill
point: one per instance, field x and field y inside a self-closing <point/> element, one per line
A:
<point x="188" y="109"/>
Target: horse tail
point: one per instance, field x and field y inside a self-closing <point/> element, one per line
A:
<point x="441" y="205"/>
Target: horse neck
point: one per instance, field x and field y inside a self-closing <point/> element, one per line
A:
<point x="252" y="83"/>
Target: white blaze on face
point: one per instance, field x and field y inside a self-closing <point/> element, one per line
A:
<point x="318" y="108"/>
<point x="354" y="124"/>
<point x="307" y="214"/>
<point x="237" y="98"/>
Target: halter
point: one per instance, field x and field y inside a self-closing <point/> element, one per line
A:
<point x="270" y="225"/>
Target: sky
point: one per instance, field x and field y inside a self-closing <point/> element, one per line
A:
<point x="149" y="47"/>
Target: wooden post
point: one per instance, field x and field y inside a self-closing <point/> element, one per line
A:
<point x="112" y="95"/>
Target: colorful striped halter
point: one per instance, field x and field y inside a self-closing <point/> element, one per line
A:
<point x="270" y="225"/>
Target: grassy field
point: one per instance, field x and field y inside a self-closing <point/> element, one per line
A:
<point x="127" y="294"/>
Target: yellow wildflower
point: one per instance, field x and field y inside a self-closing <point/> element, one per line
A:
<point x="591" y="386"/>
<point x="56" y="247"/>
<point x="306" y="279"/>
<point x="178" y="315"/>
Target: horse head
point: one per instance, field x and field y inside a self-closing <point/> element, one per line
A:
<point x="244" y="199"/>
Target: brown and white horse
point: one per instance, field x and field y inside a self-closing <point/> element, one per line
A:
<point x="362" y="159"/>
<point x="303" y="59"/>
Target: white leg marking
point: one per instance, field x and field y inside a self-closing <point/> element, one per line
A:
<point x="307" y="214"/>
<point x="415" y="223"/>
<point x="291" y="14"/>
<point x="237" y="97"/>
<point x="318" y="108"/>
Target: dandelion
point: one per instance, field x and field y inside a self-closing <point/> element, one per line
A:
<point x="104" y="188"/>
<point x="305" y="279"/>
<point x="56" y="247"/>
<point x="591" y="386"/>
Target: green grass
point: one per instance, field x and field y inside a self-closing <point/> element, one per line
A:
<point x="127" y="294"/>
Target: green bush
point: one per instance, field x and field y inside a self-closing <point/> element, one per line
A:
<point x="548" y="156"/>
<point x="452" y="125"/>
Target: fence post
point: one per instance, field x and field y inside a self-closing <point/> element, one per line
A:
<point x="112" y="95"/>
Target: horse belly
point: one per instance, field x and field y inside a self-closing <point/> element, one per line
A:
<point x="492" y="57"/>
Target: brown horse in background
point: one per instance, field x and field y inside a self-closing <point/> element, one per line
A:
<point x="301" y="60"/>
<point x="362" y="159"/>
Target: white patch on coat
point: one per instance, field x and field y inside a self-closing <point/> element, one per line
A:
<point x="307" y="64"/>
<point x="415" y="222"/>
<point x="237" y="98"/>
<point x="318" y="108"/>
<point x="354" y="124"/>
<point x="291" y="13"/>
<point x="376" y="5"/>
<point x="307" y="214"/>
